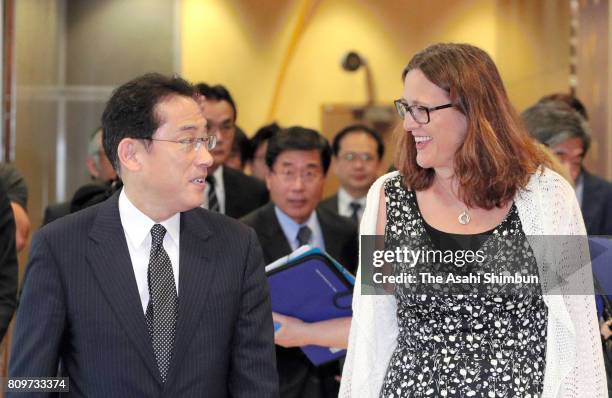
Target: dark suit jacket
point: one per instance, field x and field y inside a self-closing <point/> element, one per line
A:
<point x="85" y="196"/>
<point x="8" y="262"/>
<point x="339" y="235"/>
<point x="14" y="184"/>
<point x="298" y="377"/>
<point x="597" y="205"/>
<point x="330" y="204"/>
<point x="53" y="212"/>
<point x="243" y="193"/>
<point x="80" y="304"/>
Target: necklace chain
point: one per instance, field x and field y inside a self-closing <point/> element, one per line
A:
<point x="464" y="217"/>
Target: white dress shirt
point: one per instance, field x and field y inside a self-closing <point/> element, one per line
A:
<point x="344" y="204"/>
<point x="579" y="188"/>
<point x="137" y="228"/>
<point x="219" y="190"/>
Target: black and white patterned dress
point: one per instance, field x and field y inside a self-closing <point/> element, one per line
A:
<point x="472" y="345"/>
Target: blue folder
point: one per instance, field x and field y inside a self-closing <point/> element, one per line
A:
<point x="313" y="287"/>
<point x="601" y="263"/>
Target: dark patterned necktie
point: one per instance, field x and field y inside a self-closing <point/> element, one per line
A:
<point x="213" y="202"/>
<point x="304" y="235"/>
<point x="355" y="206"/>
<point x="163" y="302"/>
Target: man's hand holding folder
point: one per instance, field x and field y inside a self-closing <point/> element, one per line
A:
<point x="311" y="299"/>
<point x="294" y="332"/>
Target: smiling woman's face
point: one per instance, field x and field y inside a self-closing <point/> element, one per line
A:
<point x="436" y="142"/>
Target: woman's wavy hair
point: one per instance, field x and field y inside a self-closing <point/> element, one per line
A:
<point x="497" y="156"/>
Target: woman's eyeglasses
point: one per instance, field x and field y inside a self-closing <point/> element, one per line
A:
<point x="419" y="113"/>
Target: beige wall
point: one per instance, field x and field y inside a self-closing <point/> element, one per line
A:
<point x="242" y="44"/>
<point x="593" y="81"/>
<point x="532" y="48"/>
<point x="37" y="26"/>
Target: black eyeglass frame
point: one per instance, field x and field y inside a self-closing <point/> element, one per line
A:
<point x="402" y="108"/>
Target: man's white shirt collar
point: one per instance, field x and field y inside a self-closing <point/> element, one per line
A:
<point x="137" y="225"/>
<point x="345" y="200"/>
<point x="137" y="231"/>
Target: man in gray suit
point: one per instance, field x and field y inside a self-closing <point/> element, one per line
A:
<point x="147" y="294"/>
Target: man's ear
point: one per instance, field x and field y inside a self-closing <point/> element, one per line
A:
<point x="334" y="164"/>
<point x="92" y="167"/>
<point x="268" y="179"/>
<point x="129" y="153"/>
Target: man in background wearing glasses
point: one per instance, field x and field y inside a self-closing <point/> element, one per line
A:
<point x="146" y="294"/>
<point x="229" y="191"/>
<point x="358" y="151"/>
<point x="298" y="159"/>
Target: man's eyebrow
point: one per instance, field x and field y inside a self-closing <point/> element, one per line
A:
<point x="313" y="166"/>
<point x="188" y="127"/>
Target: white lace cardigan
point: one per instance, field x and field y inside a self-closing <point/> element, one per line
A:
<point x="574" y="361"/>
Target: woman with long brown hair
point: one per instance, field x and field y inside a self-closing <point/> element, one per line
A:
<point x="470" y="176"/>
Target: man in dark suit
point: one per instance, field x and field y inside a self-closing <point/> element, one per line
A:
<point x="358" y="152"/>
<point x="596" y="204"/>
<point x="8" y="262"/>
<point x="559" y="122"/>
<point x="259" y="145"/>
<point x="102" y="175"/>
<point x="17" y="192"/>
<point x="298" y="159"/>
<point x="229" y="191"/>
<point x="147" y="294"/>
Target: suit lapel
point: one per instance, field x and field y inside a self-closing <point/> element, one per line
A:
<point x="330" y="234"/>
<point x="271" y="235"/>
<point x="196" y="276"/>
<point x="336" y="208"/>
<point x="591" y="195"/>
<point x="331" y="204"/>
<point x="110" y="260"/>
<point x="229" y="188"/>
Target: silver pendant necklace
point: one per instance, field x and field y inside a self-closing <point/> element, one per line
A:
<point x="463" y="218"/>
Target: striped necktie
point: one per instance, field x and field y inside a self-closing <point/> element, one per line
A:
<point x="303" y="235"/>
<point x="355" y="206"/>
<point x="213" y="202"/>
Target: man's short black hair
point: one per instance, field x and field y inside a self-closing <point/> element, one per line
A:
<point x="131" y="113"/>
<point x="261" y="136"/>
<point x="298" y="139"/>
<point x="359" y="128"/>
<point x="569" y="99"/>
<point x="217" y="93"/>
